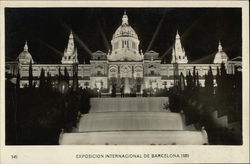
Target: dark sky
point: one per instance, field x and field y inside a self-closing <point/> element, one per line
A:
<point x="47" y="30"/>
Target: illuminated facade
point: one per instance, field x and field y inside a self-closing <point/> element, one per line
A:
<point x="124" y="65"/>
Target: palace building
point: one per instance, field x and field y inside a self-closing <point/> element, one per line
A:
<point x="124" y="65"/>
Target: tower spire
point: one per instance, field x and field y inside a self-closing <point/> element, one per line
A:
<point x="124" y="18"/>
<point x="25" y="48"/>
<point x="177" y="35"/>
<point x="219" y="47"/>
<point x="70" y="52"/>
<point x="178" y="53"/>
<point x="71" y="35"/>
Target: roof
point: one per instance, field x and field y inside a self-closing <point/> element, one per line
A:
<point x="125" y="30"/>
<point x="151" y="52"/>
<point x="98" y="52"/>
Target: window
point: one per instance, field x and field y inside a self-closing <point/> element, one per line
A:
<point x="98" y="72"/>
<point x="133" y="45"/>
<point x="69" y="57"/>
<point x="98" y="58"/>
<point x="116" y="45"/>
<point x="122" y="44"/>
<point x="152" y="72"/>
<point x="86" y="84"/>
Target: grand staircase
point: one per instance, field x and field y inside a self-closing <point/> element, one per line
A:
<point x="132" y="121"/>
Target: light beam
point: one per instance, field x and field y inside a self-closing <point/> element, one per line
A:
<point x="156" y="32"/>
<point x="184" y="33"/>
<point x="78" y="40"/>
<point x="52" y="48"/>
<point x="105" y="40"/>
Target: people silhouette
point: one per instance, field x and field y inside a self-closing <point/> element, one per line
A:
<point x="122" y="90"/>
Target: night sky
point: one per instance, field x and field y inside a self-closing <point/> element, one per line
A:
<point x="47" y="31"/>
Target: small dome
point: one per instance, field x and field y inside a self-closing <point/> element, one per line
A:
<point x="220" y="56"/>
<point x="25" y="57"/>
<point x="125" y="30"/>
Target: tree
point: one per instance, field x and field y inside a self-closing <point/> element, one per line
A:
<point x="66" y="79"/>
<point x="30" y="75"/>
<point x="75" y="77"/>
<point x="189" y="80"/>
<point x="66" y="75"/>
<point x="197" y="80"/>
<point x="59" y="75"/>
<point x="42" y="80"/>
<point x="18" y="80"/>
<point x="217" y="77"/>
<point x="49" y="81"/>
<point x="182" y="82"/>
<point x="223" y="71"/>
<point x="194" y="78"/>
<point x="75" y="82"/>
<point x="209" y="82"/>
<point x="223" y="82"/>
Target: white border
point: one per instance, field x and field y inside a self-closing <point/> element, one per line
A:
<point x="66" y="154"/>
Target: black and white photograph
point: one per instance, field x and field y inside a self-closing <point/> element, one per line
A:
<point x="110" y="76"/>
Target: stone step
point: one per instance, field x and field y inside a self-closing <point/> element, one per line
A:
<point x="190" y="127"/>
<point x="113" y="121"/>
<point x="145" y="104"/>
<point x="135" y="138"/>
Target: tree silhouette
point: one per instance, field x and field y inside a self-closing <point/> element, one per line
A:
<point x="223" y="70"/>
<point x="189" y="80"/>
<point x="59" y="75"/>
<point x="49" y="81"/>
<point x="197" y="80"/>
<point x="209" y="82"/>
<point x="223" y="84"/>
<point x="42" y="80"/>
<point x="182" y="82"/>
<point x="194" y="78"/>
<point x="18" y="80"/>
<point x="66" y="75"/>
<point x="30" y="75"/>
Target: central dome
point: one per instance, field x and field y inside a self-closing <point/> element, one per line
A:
<point x="125" y="43"/>
<point x="125" y="30"/>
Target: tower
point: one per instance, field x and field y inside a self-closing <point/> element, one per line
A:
<point x="70" y="53"/>
<point x="178" y="52"/>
